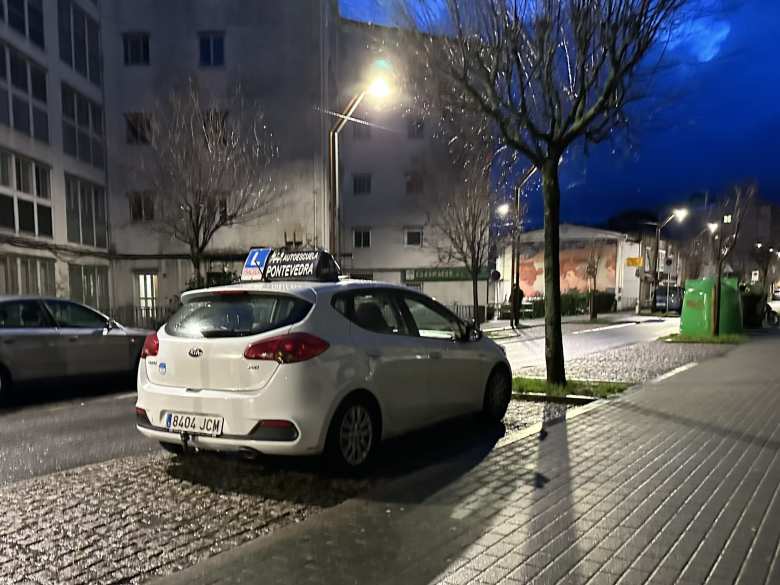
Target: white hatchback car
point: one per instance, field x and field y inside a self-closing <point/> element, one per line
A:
<point x="300" y="368"/>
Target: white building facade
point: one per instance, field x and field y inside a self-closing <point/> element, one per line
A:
<point x="78" y="78"/>
<point x="54" y="233"/>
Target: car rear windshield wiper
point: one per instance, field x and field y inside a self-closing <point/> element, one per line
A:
<point x="221" y="332"/>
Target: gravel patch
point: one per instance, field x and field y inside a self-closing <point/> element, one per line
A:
<point x="522" y="414"/>
<point x="634" y="363"/>
<point x="126" y="520"/>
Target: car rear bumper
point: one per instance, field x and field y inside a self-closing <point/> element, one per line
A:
<point x="290" y="396"/>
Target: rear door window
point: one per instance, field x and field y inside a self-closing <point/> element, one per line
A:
<point x="23" y="315"/>
<point x="375" y="311"/>
<point x="235" y="314"/>
<point x="73" y="315"/>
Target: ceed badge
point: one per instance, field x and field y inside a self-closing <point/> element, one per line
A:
<point x="163" y="368"/>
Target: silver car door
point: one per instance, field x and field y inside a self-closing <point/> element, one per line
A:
<point x="88" y="345"/>
<point x="29" y="341"/>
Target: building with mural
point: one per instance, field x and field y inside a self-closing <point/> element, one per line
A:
<point x="615" y="254"/>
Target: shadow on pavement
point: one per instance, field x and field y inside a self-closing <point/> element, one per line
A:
<point x="60" y="389"/>
<point x="446" y="451"/>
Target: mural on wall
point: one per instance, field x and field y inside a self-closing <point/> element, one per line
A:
<point x="574" y="262"/>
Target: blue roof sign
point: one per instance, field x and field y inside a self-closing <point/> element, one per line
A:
<point x="254" y="265"/>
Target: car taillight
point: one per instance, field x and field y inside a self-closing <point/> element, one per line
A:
<point x="287" y="349"/>
<point x="151" y="346"/>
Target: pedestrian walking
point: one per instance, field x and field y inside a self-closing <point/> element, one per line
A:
<point x="516" y="301"/>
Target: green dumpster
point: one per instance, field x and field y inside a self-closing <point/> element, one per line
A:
<point x="698" y="309"/>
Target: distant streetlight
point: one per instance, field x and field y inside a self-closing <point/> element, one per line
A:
<point x="502" y="210"/>
<point x="679" y="214"/>
<point x="378" y="87"/>
<point x="759" y="245"/>
<point x="727" y="218"/>
<point x="713" y="227"/>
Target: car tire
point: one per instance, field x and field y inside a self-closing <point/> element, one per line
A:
<point x="498" y="393"/>
<point x="353" y="436"/>
<point x="172" y="448"/>
<point x="5" y="384"/>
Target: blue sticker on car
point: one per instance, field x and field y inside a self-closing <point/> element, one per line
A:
<point x="163" y="368"/>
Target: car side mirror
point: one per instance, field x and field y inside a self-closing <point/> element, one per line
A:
<point x="472" y="333"/>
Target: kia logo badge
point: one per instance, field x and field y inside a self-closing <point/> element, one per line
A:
<point x="195" y="352"/>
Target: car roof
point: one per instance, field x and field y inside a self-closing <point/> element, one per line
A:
<point x="308" y="290"/>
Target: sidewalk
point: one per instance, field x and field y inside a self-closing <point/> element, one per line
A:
<point x="677" y="482"/>
<point x="621" y="316"/>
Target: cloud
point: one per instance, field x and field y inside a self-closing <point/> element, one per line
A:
<point x="702" y="37"/>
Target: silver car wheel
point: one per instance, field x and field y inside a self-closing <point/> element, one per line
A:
<point x="356" y="434"/>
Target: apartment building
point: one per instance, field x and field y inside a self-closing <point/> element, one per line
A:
<point x="53" y="210"/>
<point x="79" y="77"/>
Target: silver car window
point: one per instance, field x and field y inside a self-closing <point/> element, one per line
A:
<point x="23" y="315"/>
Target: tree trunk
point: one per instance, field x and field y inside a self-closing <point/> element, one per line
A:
<point x="592" y="303"/>
<point x="553" y="340"/>
<point x="475" y="299"/>
<point x="196" y="269"/>
<point x="716" y="301"/>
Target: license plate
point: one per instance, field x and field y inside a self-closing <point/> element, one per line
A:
<point x="194" y="423"/>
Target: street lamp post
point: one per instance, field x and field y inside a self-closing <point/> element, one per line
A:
<point x="679" y="215"/>
<point x="379" y="88"/>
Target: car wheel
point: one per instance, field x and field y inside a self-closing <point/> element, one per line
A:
<point x="172" y="448"/>
<point x="498" y="393"/>
<point x="353" y="436"/>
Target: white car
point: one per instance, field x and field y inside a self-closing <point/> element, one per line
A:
<point x="298" y="368"/>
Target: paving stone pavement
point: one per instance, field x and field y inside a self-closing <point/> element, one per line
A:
<point x="678" y="485"/>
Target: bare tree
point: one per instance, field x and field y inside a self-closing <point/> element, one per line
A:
<point x="460" y="221"/>
<point x="544" y="74"/>
<point x="209" y="165"/>
<point x="727" y="235"/>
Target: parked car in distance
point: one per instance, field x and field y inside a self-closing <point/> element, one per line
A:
<point x="42" y="338"/>
<point x="675" y="298"/>
<point x="296" y="368"/>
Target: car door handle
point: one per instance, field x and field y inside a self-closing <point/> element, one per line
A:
<point x="434" y="355"/>
<point x="73" y="338"/>
<point x="9" y="341"/>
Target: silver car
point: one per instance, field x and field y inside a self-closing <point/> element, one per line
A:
<point x="50" y="338"/>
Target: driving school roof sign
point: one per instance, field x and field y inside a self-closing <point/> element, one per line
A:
<point x="268" y="264"/>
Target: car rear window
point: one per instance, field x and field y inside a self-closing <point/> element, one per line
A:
<point x="235" y="314"/>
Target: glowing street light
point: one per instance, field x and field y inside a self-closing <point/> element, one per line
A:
<point x="378" y="87"/>
<point x="713" y="227"/>
<point x="502" y="210"/>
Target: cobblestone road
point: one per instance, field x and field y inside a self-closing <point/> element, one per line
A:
<point x="122" y="521"/>
<point x="675" y="486"/>
<point x="634" y="363"/>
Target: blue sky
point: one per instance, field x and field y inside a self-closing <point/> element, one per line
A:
<point x="718" y="122"/>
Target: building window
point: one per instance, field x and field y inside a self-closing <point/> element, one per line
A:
<point x="86" y="212"/>
<point x="146" y="292"/>
<point x="138" y="127"/>
<point x="414" y="183"/>
<point x="26" y="275"/>
<point x="26" y="18"/>
<point x="23" y="94"/>
<point x="89" y="285"/>
<point x="361" y="131"/>
<point x="82" y="128"/>
<point x="361" y="238"/>
<point x="413" y="237"/>
<point x="415" y="129"/>
<point x="141" y="206"/>
<point x="25" y="190"/>
<point x="79" y="40"/>
<point x="212" y="49"/>
<point x="136" y="45"/>
<point x="361" y="184"/>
